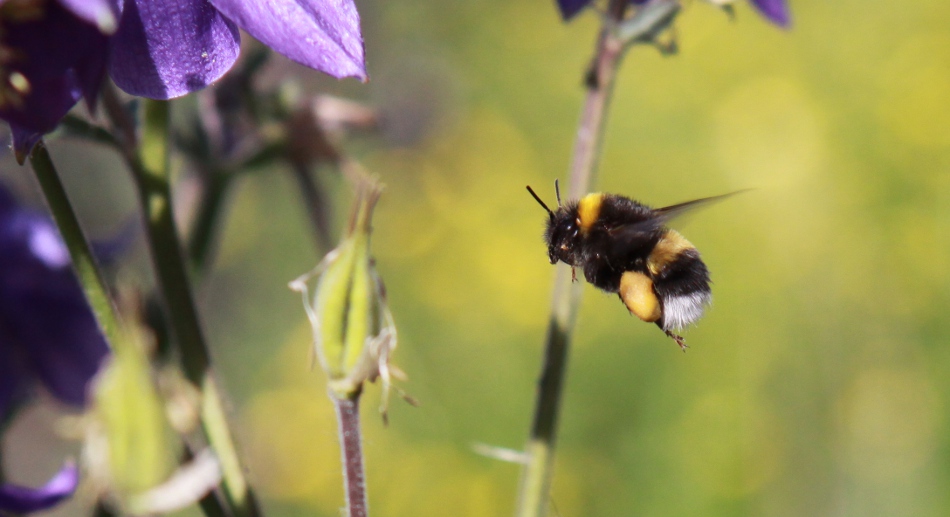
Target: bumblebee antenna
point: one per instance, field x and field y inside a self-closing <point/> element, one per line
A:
<point x="557" y="191"/>
<point x="538" y="199"/>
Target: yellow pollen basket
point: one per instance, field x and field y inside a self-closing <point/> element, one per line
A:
<point x="636" y="291"/>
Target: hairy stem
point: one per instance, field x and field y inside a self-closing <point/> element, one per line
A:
<point x="538" y="472"/>
<point x="351" y="447"/>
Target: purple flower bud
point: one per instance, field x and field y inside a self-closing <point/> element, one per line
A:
<point x="21" y="500"/>
<point x="570" y="8"/>
<point x="775" y="10"/>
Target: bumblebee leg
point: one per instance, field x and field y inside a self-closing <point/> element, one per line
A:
<point x="679" y="340"/>
<point x="636" y="292"/>
<point x="573" y="274"/>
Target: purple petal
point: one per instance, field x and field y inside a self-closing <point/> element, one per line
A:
<point x="168" y="48"/>
<point x="7" y="202"/>
<point x="774" y="10"/>
<point x="43" y="312"/>
<point x="104" y="14"/>
<point x="19" y="499"/>
<point x="11" y="383"/>
<point x="570" y="8"/>
<point x="23" y="141"/>
<point x="48" y="101"/>
<point x="324" y="35"/>
<point x="60" y="56"/>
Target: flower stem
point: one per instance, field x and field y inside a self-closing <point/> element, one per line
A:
<point x="351" y="447"/>
<point x="153" y="181"/>
<point x="151" y="175"/>
<point x="150" y="167"/>
<point x="539" y="469"/>
<point x="316" y="203"/>
<point x="203" y="236"/>
<point x="84" y="263"/>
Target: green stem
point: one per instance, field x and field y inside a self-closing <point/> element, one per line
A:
<point x="539" y="470"/>
<point x="84" y="263"/>
<point x="152" y="179"/>
<point x="150" y="167"/>
<point x="203" y="235"/>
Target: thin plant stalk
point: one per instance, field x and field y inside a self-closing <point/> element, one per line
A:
<point x="148" y="159"/>
<point x="83" y="261"/>
<point x="351" y="448"/>
<point x="203" y="235"/>
<point x="315" y="202"/>
<point x="534" y="493"/>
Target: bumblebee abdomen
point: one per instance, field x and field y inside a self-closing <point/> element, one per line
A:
<point x="681" y="281"/>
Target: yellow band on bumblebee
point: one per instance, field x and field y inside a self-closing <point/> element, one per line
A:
<point x="588" y="211"/>
<point x="667" y="250"/>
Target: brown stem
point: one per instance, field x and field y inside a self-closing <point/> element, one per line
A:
<point x="590" y="132"/>
<point x="316" y="204"/>
<point x="539" y="469"/>
<point x="354" y="478"/>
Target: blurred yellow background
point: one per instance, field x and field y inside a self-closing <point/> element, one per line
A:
<point x="817" y="384"/>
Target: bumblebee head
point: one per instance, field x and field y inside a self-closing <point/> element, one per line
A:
<point x="562" y="230"/>
<point x="561" y="235"/>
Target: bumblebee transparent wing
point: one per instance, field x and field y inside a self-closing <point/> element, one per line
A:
<point x="629" y="238"/>
<point x="671" y="212"/>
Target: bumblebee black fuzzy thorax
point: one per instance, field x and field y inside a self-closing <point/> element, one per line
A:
<point x="624" y="247"/>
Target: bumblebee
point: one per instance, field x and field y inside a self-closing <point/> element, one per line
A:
<point x="624" y="247"/>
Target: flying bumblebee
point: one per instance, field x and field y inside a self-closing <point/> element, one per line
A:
<point x="624" y="247"/>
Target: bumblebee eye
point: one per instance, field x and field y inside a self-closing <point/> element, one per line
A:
<point x="564" y="247"/>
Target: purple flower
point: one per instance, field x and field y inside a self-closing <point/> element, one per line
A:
<point x="55" y="52"/>
<point x="20" y="500"/>
<point x="775" y="10"/>
<point x="48" y="335"/>
<point x="49" y="59"/>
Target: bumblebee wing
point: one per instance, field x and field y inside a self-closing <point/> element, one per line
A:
<point x="635" y="238"/>
<point x="670" y="212"/>
<point x="629" y="238"/>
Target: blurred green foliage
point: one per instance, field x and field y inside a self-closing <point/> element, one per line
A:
<point x="817" y="384"/>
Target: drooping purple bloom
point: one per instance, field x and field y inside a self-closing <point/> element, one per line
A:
<point x="48" y="334"/>
<point x="570" y="8"/>
<point x="775" y="10"/>
<point x="159" y="49"/>
<point x="51" y="60"/>
<point x="18" y="499"/>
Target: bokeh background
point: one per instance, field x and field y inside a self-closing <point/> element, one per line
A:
<point x="818" y="383"/>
